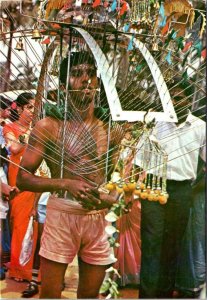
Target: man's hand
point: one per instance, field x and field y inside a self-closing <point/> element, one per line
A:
<point x="14" y="191"/>
<point x="79" y="188"/>
<point x="8" y="192"/>
<point x="97" y="200"/>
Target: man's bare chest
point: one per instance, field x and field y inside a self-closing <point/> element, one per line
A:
<point x="82" y="141"/>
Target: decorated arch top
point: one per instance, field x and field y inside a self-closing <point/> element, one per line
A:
<point x="133" y="15"/>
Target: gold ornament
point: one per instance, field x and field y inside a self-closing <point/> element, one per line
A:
<point x="137" y="191"/>
<point x="142" y="186"/>
<point x="144" y="194"/>
<point x="110" y="186"/>
<point x="132" y="185"/>
<point x="155" y="47"/>
<point x="163" y="198"/>
<point x="19" y="45"/>
<point x="36" y="35"/>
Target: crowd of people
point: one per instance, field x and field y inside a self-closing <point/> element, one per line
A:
<point x="162" y="247"/>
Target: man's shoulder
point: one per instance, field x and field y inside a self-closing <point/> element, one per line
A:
<point x="197" y="123"/>
<point x="47" y="122"/>
<point x="47" y="127"/>
<point x="197" y="119"/>
<point x="165" y="127"/>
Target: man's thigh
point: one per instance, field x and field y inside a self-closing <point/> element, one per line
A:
<point x="152" y="229"/>
<point x="52" y="278"/>
<point x="60" y="240"/>
<point x="177" y="214"/>
<point x="95" y="248"/>
<point x="152" y="221"/>
<point x="90" y="279"/>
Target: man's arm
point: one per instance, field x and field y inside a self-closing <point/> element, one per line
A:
<point x="32" y="158"/>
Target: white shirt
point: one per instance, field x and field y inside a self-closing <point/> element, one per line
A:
<point x="44" y="198"/>
<point x="183" y="145"/>
<point x="4" y="205"/>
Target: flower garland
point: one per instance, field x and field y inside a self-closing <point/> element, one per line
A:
<point x="149" y="183"/>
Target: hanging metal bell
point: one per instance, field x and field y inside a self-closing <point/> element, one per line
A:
<point x="36" y="35"/>
<point x="155" y="47"/>
<point x="19" y="45"/>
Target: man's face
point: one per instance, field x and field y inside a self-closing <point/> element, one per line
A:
<point x="179" y="99"/>
<point x="83" y="84"/>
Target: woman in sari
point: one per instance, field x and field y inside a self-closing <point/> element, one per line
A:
<point x="21" y="207"/>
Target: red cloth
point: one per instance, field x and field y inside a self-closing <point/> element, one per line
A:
<point x="21" y="208"/>
<point x="187" y="46"/>
<point x="203" y="53"/>
<point x="128" y="254"/>
<point x="96" y="3"/>
<point x="124" y="8"/>
<point x="16" y="158"/>
<point x="165" y="29"/>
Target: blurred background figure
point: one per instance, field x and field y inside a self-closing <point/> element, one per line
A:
<point x="16" y="136"/>
<point x="5" y="112"/>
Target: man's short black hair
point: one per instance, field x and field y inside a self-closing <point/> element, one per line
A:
<point x="4" y="103"/>
<point x="23" y="99"/>
<point x="76" y="58"/>
<point x="183" y="84"/>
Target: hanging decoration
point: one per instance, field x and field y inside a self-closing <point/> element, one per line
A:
<point x="149" y="183"/>
<point x="96" y="3"/>
<point x="114" y="5"/>
<point x="162" y="16"/>
<point x="19" y="46"/>
<point x="56" y="5"/>
<point x="124" y="8"/>
<point x="187" y="46"/>
<point x="179" y="43"/>
<point x="36" y="34"/>
<point x="203" y="53"/>
<point x="46" y="41"/>
<point x="130" y="46"/>
<point x="140" y="11"/>
<point x="180" y="15"/>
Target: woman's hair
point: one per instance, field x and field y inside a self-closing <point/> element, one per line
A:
<point x="4" y="103"/>
<point x="76" y="58"/>
<point x="23" y="99"/>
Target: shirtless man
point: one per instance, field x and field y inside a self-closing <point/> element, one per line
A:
<point x="75" y="221"/>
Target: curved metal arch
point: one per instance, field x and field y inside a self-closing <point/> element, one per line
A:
<point x="168" y="108"/>
<point x="106" y="74"/>
<point x="117" y="113"/>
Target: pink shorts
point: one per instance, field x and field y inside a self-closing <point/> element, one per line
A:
<point x="70" y="230"/>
